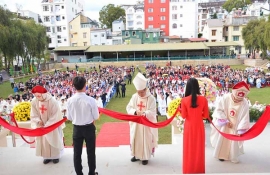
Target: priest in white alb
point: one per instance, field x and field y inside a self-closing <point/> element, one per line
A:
<point x="231" y="116"/>
<point x="143" y="139"/>
<point x="45" y="111"/>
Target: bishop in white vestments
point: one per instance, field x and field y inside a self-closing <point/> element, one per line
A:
<point x="45" y="111"/>
<point x="143" y="139"/>
<point x="231" y="116"/>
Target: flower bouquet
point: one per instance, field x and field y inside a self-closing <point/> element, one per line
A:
<point x="208" y="89"/>
<point x="173" y="106"/>
<point x="22" y="111"/>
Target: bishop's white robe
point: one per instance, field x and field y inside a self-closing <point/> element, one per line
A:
<point x="238" y="115"/>
<point x="143" y="139"/>
<point x="50" y="145"/>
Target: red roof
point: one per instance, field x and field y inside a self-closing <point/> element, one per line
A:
<point x="197" y="39"/>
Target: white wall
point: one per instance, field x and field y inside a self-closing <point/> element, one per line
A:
<point x="66" y="10"/>
<point x="99" y="37"/>
<point x="186" y="25"/>
<point x="207" y="33"/>
<point x="29" y="14"/>
<point x="118" y="26"/>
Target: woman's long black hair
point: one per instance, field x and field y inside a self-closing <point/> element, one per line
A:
<point x="193" y="89"/>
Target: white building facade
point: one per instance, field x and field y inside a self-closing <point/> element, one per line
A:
<point x="101" y="37"/>
<point x="183" y="19"/>
<point x="29" y="14"/>
<point x="254" y="9"/>
<point x="135" y="17"/>
<point x="56" y="15"/>
<point x="118" y="26"/>
<point x="213" y="30"/>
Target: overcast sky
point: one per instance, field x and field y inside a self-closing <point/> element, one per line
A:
<point x="92" y="7"/>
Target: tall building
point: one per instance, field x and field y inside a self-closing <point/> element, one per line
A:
<point x="56" y="15"/>
<point x="134" y="16"/>
<point x="157" y="15"/>
<point x="183" y="19"/>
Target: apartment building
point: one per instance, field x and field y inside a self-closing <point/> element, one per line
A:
<point x="213" y="30"/>
<point x="135" y="16"/>
<point x="101" y="37"/>
<point x="157" y="15"/>
<point x="79" y="30"/>
<point x="183" y="19"/>
<point x="56" y="15"/>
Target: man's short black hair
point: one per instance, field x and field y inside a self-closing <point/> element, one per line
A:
<point x="79" y="82"/>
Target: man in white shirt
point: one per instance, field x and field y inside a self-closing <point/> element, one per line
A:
<point x="82" y="110"/>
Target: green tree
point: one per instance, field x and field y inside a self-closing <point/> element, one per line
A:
<point x="248" y="34"/>
<point x="214" y="16"/>
<point x="230" y="4"/>
<point x="109" y="13"/>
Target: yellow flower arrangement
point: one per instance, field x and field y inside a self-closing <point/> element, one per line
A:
<point x="22" y="111"/>
<point x="173" y="106"/>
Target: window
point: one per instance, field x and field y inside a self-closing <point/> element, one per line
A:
<point x="150" y="1"/>
<point x="181" y="15"/>
<point x="58" y="18"/>
<point x="84" y="35"/>
<point x="162" y="26"/>
<point x="95" y="36"/>
<point x="150" y="18"/>
<point x="226" y="38"/>
<point x="53" y="30"/>
<point x="146" y="35"/>
<point x="235" y="38"/>
<point x="58" y="36"/>
<point x="162" y="18"/>
<point x="75" y="11"/>
<point x="213" y="40"/>
<point x="150" y="26"/>
<point x="48" y="29"/>
<point x="162" y="9"/>
<point x="103" y="44"/>
<point x="46" y="19"/>
<point x="102" y="35"/>
<point x="70" y="26"/>
<point x="235" y="28"/>
<point x="150" y="10"/>
<point x="63" y="17"/>
<point x="139" y="23"/>
<point x="63" y="7"/>
<point x="174" y="16"/>
<point x="174" y="7"/>
<point x="59" y="29"/>
<point x="139" y="17"/>
<point x="181" y="25"/>
<point x="71" y="36"/>
<point x="154" y="34"/>
<point x="45" y="8"/>
<point x="181" y="6"/>
<point x="126" y="33"/>
<point x="226" y="29"/>
<point x="174" y="26"/>
<point x="163" y="1"/>
<point x="50" y="40"/>
<point x="65" y="39"/>
<point x="134" y="33"/>
<point x="64" y="28"/>
<point x="214" y="32"/>
<point x="72" y="9"/>
<point x="59" y="41"/>
<point x="84" y="43"/>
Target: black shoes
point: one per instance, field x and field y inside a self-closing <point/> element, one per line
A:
<point x="46" y="161"/>
<point x="221" y="160"/>
<point x="133" y="159"/>
<point x="55" y="161"/>
<point x="145" y="162"/>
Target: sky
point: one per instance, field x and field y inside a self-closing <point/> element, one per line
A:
<point x="91" y="9"/>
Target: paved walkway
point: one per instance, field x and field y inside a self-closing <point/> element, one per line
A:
<point x="116" y="161"/>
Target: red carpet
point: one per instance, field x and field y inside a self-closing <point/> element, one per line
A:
<point x="113" y="134"/>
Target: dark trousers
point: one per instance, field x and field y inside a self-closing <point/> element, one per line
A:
<point x="118" y="93"/>
<point x="123" y="93"/>
<point x="87" y="133"/>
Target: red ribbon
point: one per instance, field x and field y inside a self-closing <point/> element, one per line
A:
<point x="135" y="118"/>
<point x="31" y="132"/>
<point x="253" y="132"/>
